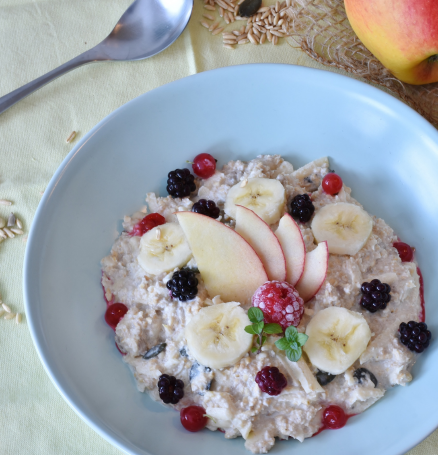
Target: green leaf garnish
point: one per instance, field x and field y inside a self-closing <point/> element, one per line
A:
<point x="250" y="329"/>
<point x="258" y="327"/>
<point x="292" y="343"/>
<point x="273" y="328"/>
<point x="255" y="315"/>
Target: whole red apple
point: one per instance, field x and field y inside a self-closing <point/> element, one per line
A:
<point x="402" y="34"/>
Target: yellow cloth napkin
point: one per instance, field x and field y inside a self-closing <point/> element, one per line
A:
<point x="35" y="37"/>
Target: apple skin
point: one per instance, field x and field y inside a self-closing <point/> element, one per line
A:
<point x="228" y="264"/>
<point x="267" y="246"/>
<point x="402" y="34"/>
<point x="315" y="272"/>
<point x="292" y="242"/>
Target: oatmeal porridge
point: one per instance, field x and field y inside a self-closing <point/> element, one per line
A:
<point x="264" y="298"/>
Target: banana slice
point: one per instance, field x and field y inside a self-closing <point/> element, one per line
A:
<point x="265" y="197"/>
<point x="163" y="248"/>
<point x="346" y="227"/>
<point x="337" y="338"/>
<point x="216" y="336"/>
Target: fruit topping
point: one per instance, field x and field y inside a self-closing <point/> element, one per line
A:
<point x="171" y="389"/>
<point x="376" y="295"/>
<point x="204" y="165"/>
<point x="334" y="417"/>
<point x="199" y="382"/>
<point x="265" y="197"/>
<point x="324" y="378"/>
<point x="114" y="314"/>
<point x="405" y="252"/>
<point x="346" y="227"/>
<point x="302" y="208"/>
<point x="216" y="337"/>
<point x="280" y="303"/>
<point x="163" y="249"/>
<point x="362" y="373"/>
<point x="153" y="352"/>
<point x="193" y="418"/>
<point x="147" y="223"/>
<point x="415" y="335"/>
<point x="183" y="352"/>
<point x="180" y="183"/>
<point x="207" y="208"/>
<point x="337" y="338"/>
<point x="271" y="380"/>
<point x="332" y="183"/>
<point x="183" y="285"/>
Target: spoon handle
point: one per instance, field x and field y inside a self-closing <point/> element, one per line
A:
<point x="11" y="98"/>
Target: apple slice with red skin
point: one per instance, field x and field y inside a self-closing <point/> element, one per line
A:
<point x="260" y="236"/>
<point x="315" y="272"/>
<point x="294" y="249"/>
<point x="228" y="264"/>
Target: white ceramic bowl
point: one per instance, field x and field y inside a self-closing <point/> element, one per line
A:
<point x="382" y="149"/>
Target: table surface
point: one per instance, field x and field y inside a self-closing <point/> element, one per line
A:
<point x="35" y="37"/>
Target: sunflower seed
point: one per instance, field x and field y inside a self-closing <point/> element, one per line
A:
<point x="229" y="41"/>
<point x="17" y="231"/>
<point x="18" y="318"/>
<point x="263" y="38"/>
<point x="236" y="32"/>
<point x="208" y="16"/>
<point x="217" y="31"/>
<point x="277" y="33"/>
<point x="71" y="137"/>
<point x="9" y="316"/>
<point x="213" y="26"/>
<point x="204" y="24"/>
<point x="153" y="352"/>
<point x="277" y="6"/>
<point x="243" y="41"/>
<point x="229" y="46"/>
<point x="9" y="233"/>
<point x="274" y="40"/>
<point x="3" y="234"/>
<point x="19" y="223"/>
<point x="264" y="9"/>
<point x="249" y="7"/>
<point x="210" y="8"/>
<point x="11" y="220"/>
<point x="6" y="308"/>
<point x="5" y="202"/>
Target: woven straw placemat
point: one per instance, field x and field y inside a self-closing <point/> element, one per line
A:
<point x="321" y="29"/>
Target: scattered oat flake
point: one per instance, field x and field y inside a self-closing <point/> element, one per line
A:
<point x="6" y="308"/>
<point x="18" y="318"/>
<point x="71" y="137"/>
<point x="5" y="202"/>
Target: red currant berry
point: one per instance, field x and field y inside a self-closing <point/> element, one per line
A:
<point x="193" y="418"/>
<point x="405" y="252"/>
<point x="334" y="417"/>
<point x="332" y="183"/>
<point x="147" y="223"/>
<point x="204" y="165"/>
<point x="114" y="314"/>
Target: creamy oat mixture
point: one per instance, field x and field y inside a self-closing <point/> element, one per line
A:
<point x="230" y="395"/>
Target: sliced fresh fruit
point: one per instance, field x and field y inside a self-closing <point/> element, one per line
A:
<point x="294" y="249"/>
<point x="337" y="337"/>
<point x="315" y="271"/>
<point x="163" y="248"/>
<point x="301" y="372"/>
<point x="216" y="336"/>
<point x="228" y="264"/>
<point x="266" y="197"/>
<point x="346" y="227"/>
<point x="267" y="246"/>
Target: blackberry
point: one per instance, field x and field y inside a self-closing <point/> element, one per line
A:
<point x="271" y="380"/>
<point x="324" y="378"/>
<point x="415" y="335"/>
<point x="180" y="183"/>
<point x="207" y="208"/>
<point x="171" y="389"/>
<point x="376" y="295"/>
<point x="183" y="285"/>
<point x="302" y="208"/>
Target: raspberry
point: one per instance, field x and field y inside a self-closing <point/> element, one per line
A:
<point x="271" y="380"/>
<point x="415" y="335"/>
<point x="207" y="208"/>
<point x="280" y="303"/>
<point x="147" y="223"/>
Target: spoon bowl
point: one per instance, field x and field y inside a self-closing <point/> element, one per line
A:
<point x="146" y="28"/>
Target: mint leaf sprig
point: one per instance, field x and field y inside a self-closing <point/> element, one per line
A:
<point x="292" y="343"/>
<point x="259" y="328"/>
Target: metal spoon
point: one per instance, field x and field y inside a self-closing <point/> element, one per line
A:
<point x="146" y="28"/>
